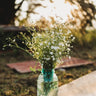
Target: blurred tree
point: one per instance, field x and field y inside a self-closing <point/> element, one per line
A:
<point x="8" y="10"/>
<point x="83" y="15"/>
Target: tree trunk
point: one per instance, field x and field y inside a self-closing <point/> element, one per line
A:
<point x="7" y="11"/>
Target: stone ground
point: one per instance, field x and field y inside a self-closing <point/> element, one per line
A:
<point x="84" y="86"/>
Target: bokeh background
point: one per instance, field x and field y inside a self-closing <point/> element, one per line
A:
<point x="78" y="15"/>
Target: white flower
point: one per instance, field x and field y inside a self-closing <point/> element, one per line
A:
<point x="37" y="53"/>
<point x="49" y="43"/>
<point x="41" y="44"/>
<point x="69" y="32"/>
<point x="52" y="56"/>
<point x="59" y="53"/>
<point x="22" y="41"/>
<point x="9" y="44"/>
<point x="52" y="32"/>
<point x="60" y="30"/>
<point x="51" y="53"/>
<point x="53" y="59"/>
<point x="68" y="49"/>
<point x="45" y="42"/>
<point x="39" y="34"/>
<point x="14" y="40"/>
<point x="47" y="58"/>
<point x="73" y="38"/>
<point x="69" y="57"/>
<point x="64" y="38"/>
<point x="54" y="47"/>
<point x="61" y="44"/>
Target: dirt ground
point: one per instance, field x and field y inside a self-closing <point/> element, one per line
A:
<point x="13" y="83"/>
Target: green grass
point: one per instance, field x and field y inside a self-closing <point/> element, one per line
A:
<point x="88" y="39"/>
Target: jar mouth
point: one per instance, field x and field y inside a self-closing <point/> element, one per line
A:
<point x="48" y="66"/>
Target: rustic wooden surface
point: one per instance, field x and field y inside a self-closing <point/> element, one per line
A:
<point x="24" y="67"/>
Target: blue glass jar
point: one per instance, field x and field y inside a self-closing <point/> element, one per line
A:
<point x="47" y="83"/>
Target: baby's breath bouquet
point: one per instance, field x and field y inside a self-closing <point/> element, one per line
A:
<point x="49" y="46"/>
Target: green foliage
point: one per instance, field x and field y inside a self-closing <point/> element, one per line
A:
<point x="34" y="70"/>
<point x="4" y="41"/>
<point x="85" y="40"/>
<point x="21" y="40"/>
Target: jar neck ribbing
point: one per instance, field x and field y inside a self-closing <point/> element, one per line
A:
<point x="48" y="74"/>
<point x="50" y="71"/>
